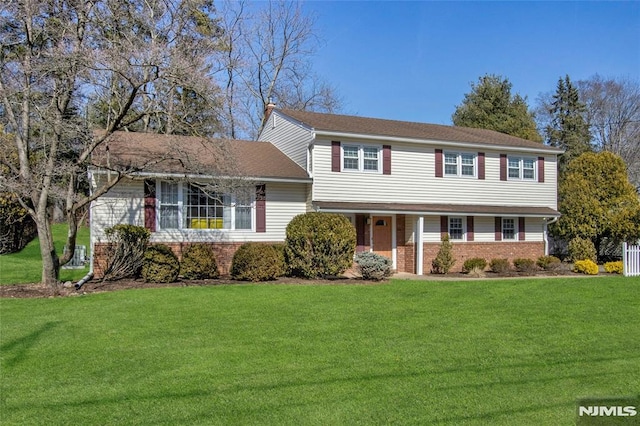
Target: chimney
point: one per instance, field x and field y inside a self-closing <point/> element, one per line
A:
<point x="267" y="110"/>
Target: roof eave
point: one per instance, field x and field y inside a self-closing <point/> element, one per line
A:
<point x="469" y="145"/>
<point x="173" y="175"/>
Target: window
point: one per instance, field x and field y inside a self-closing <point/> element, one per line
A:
<point x="186" y="206"/>
<point x="456" y="228"/>
<point x="459" y="164"/>
<point x="508" y="228"/>
<point x="361" y="158"/>
<point x="522" y="168"/>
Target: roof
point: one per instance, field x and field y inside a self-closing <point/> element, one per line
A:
<point x="333" y="123"/>
<point x="157" y="153"/>
<point x="476" y="210"/>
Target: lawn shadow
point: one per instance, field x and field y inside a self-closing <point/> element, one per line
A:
<point x="21" y="345"/>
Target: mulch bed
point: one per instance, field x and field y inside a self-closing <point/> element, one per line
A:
<point x="38" y="290"/>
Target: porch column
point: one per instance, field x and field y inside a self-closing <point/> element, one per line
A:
<point x="394" y="243"/>
<point x="419" y="226"/>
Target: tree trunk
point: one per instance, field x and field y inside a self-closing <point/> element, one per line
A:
<point x="50" y="261"/>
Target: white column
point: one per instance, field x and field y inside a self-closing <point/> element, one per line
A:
<point x="394" y="244"/>
<point x="419" y="246"/>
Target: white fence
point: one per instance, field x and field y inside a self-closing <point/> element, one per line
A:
<point x="630" y="260"/>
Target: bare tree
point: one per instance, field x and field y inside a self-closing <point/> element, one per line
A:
<point x="613" y="112"/>
<point x="268" y="52"/>
<point x="55" y="56"/>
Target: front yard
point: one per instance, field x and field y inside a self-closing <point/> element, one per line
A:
<point x="518" y="351"/>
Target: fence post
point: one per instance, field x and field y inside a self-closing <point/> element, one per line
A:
<point x="624" y="259"/>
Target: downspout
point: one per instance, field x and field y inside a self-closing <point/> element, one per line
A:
<point x="546" y="234"/>
<point x="89" y="275"/>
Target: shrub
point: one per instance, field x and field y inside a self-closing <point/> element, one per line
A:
<point x="160" y="264"/>
<point x="477" y="272"/>
<point x="499" y="265"/>
<point x="474" y="263"/>
<point x="444" y="260"/>
<point x="580" y="249"/>
<point x="282" y="264"/>
<point x="199" y="262"/>
<point x="524" y="265"/>
<point x="585" y="266"/>
<point x="373" y="266"/>
<point x="614" y="267"/>
<point x="319" y="245"/>
<point x="548" y="263"/>
<point x="126" y="255"/>
<point x="256" y="262"/>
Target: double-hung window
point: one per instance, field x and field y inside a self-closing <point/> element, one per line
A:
<point x="456" y="228"/>
<point x="187" y="206"/>
<point x="459" y="164"/>
<point x="360" y="158"/>
<point x="523" y="168"/>
<point x="509" y="231"/>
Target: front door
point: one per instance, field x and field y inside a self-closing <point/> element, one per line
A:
<point x="382" y="235"/>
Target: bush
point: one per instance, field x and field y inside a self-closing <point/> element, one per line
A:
<point x="499" y="266"/>
<point x="444" y="260"/>
<point x="319" y="245"/>
<point x="256" y="262"/>
<point x="126" y="255"/>
<point x="373" y="266"/>
<point x="524" y="265"/>
<point x="581" y="249"/>
<point x="477" y="263"/>
<point x="199" y="262"/>
<point x="614" y="267"/>
<point x="548" y="263"/>
<point x="282" y="264"/>
<point x="160" y="264"/>
<point x="586" y="266"/>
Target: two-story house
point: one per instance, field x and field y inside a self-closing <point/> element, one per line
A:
<point x="402" y="184"/>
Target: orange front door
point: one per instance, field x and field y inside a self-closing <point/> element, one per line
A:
<point x="382" y="235"/>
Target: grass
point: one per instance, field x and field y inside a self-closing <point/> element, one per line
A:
<point x="498" y="352"/>
<point x="26" y="265"/>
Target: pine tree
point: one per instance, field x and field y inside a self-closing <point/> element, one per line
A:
<point x="490" y="105"/>
<point x="568" y="128"/>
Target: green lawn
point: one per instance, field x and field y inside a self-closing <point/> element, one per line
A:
<point x="26" y="265"/>
<point x="407" y="352"/>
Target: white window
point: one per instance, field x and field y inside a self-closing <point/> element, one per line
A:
<point x="509" y="231"/>
<point x="361" y="158"/>
<point x="187" y="206"/>
<point x="459" y="164"/>
<point x="456" y="228"/>
<point x="523" y="168"/>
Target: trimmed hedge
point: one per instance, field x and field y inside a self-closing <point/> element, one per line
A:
<point x="256" y="262"/>
<point x="499" y="265"/>
<point x="474" y="263"/>
<point x="524" y="265"/>
<point x="160" y="264"/>
<point x="548" y="263"/>
<point x="199" y="262"/>
<point x="319" y="245"/>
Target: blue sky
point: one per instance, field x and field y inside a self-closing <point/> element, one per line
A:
<point x="414" y="61"/>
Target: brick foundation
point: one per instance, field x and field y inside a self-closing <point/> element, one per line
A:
<point x="487" y="251"/>
<point x="223" y="251"/>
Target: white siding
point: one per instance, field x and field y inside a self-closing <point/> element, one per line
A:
<point x="412" y="180"/>
<point x="288" y="137"/>
<point x="125" y="204"/>
<point x="484" y="229"/>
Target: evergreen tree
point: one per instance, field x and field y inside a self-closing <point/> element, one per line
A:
<point x="490" y="105"/>
<point x="568" y="128"/>
<point x="597" y="201"/>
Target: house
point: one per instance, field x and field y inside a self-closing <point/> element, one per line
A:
<point x="403" y="185"/>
